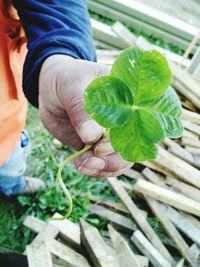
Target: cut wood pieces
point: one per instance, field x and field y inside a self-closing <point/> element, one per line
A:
<point x="143" y="244"/>
<point x="68" y="231"/>
<point x="173" y="233"/>
<point x="179" y="186"/>
<point x="127" y="224"/>
<point x="125" y="255"/>
<point x="39" y="255"/>
<point x="166" y="196"/>
<point x="139" y="218"/>
<point x="174" y="166"/>
<point x="62" y="251"/>
<point x="95" y="246"/>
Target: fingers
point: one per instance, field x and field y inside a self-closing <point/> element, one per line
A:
<point x="87" y="129"/>
<point x="103" y="147"/>
<point x="105" y="166"/>
<point x="73" y="86"/>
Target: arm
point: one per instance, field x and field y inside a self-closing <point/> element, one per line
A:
<point x="53" y="27"/>
<point x="57" y="69"/>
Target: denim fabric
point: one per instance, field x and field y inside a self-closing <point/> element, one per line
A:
<point x="11" y="172"/>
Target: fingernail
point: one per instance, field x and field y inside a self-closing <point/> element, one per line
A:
<point x="90" y="131"/>
<point x="88" y="172"/>
<point x="94" y="163"/>
<point x="103" y="149"/>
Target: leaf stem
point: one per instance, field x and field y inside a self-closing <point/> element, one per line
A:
<point x="59" y="178"/>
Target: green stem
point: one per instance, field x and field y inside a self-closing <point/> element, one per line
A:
<point x="62" y="185"/>
<point x="60" y="180"/>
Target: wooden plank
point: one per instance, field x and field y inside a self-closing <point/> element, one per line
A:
<point x="72" y="258"/>
<point x="196" y="156"/>
<point x="181" y="88"/>
<point x="137" y="23"/>
<point x="104" y="201"/>
<point x="192" y="150"/>
<point x="146" y="45"/>
<point x="193" y="220"/>
<point x="121" y="221"/>
<point x="144" y="262"/>
<point x="195" y="250"/>
<point x="182" y="223"/>
<point x="104" y="33"/>
<point x="180" y="263"/>
<point x="95" y="246"/>
<point x="194" y="62"/>
<point x="191" y="126"/>
<point x="186" y="80"/>
<point x="180" y="243"/>
<point x="133" y="174"/>
<point x="126" y="257"/>
<point x="164" y="195"/>
<point x="143" y="244"/>
<point x="153" y="177"/>
<point x="48" y="232"/>
<point x="186" y="103"/>
<point x="190" y="142"/>
<point x="196" y="73"/>
<point x="154" y="17"/>
<point x="102" y="45"/>
<point x="179" y="151"/>
<point x="68" y="231"/>
<point x="174" y="166"/>
<point x="175" y="184"/>
<point x="139" y="218"/>
<point x="38" y="256"/>
<point x="127" y="36"/>
<point x="188" y="190"/>
<point x="156" y="167"/>
<point x="34" y="224"/>
<point x="127" y="186"/>
<point x="189" y="134"/>
<point x="190" y="116"/>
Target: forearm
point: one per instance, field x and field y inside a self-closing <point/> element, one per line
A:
<point x="57" y="27"/>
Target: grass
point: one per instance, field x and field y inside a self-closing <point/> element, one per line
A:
<point x="43" y="163"/>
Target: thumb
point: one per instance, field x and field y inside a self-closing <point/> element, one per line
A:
<point x="88" y="130"/>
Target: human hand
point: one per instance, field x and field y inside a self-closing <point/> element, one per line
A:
<point x="61" y="85"/>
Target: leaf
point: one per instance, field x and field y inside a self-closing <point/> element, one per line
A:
<point x="136" y="103"/>
<point x="146" y="73"/>
<point x="108" y="101"/>
<point x="167" y="110"/>
<point x="134" y="141"/>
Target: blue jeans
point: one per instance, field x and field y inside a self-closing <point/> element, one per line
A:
<point x="11" y="172"/>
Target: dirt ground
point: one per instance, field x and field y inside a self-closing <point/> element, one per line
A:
<point x="186" y="10"/>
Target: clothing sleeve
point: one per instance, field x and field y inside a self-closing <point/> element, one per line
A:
<point x="53" y="27"/>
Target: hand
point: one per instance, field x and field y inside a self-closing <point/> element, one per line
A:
<point x="61" y="85"/>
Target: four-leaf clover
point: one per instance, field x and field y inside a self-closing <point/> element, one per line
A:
<point x="136" y="103"/>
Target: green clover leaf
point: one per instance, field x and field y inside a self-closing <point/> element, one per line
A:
<point x="136" y="103"/>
